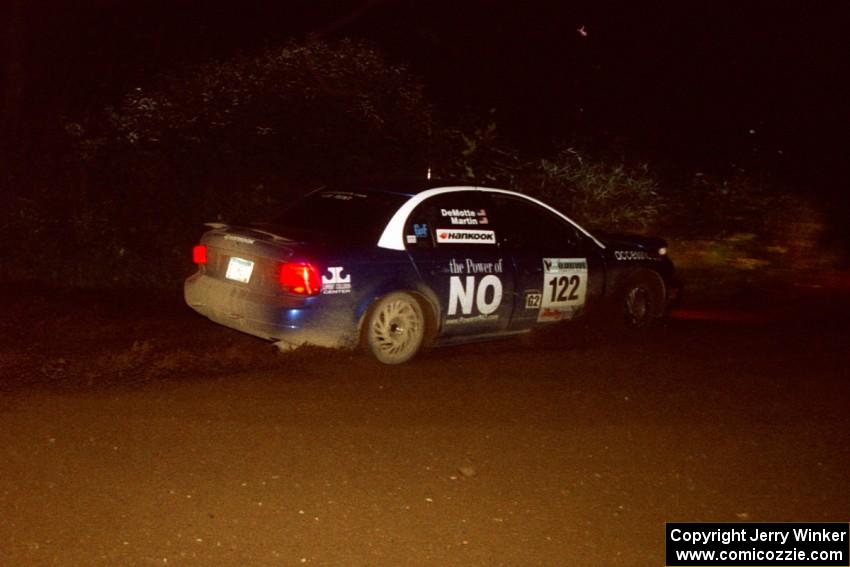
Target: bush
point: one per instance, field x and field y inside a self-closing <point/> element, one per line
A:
<point x="751" y="221"/>
<point x="592" y="191"/>
<point x="609" y="197"/>
<point x="225" y="140"/>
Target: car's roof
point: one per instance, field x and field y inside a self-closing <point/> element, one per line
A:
<point x="404" y="186"/>
<point x="392" y="237"/>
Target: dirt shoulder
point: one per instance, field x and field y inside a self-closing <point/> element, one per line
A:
<point x="69" y="339"/>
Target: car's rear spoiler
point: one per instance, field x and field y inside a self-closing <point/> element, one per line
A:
<point x="273" y="236"/>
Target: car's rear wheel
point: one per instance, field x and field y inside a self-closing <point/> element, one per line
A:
<point x="395" y="328"/>
<point x="642" y="300"/>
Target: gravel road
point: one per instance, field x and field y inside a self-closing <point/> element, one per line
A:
<point x="136" y="433"/>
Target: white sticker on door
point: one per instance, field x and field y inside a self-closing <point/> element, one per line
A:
<point x="564" y="288"/>
<point x="465" y="236"/>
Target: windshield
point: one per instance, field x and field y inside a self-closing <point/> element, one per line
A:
<point x="348" y="215"/>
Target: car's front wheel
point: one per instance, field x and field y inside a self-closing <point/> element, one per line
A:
<point x="395" y="328"/>
<point x="642" y="299"/>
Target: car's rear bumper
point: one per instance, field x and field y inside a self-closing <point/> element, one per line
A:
<point x="292" y="320"/>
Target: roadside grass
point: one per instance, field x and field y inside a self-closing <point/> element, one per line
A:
<point x="729" y="237"/>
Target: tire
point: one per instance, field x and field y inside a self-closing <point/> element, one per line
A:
<point x="641" y="301"/>
<point x="395" y="328"/>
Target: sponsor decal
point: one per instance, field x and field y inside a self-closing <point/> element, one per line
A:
<point x="237" y="238"/>
<point x="533" y="299"/>
<point x="465" y="236"/>
<point x="474" y="300"/>
<point x="564" y="288"/>
<point x="471" y="266"/>
<point x="547" y="315"/>
<point x="472" y="319"/>
<point x="465" y="216"/>
<point x="336" y="283"/>
<point x="411" y="238"/>
<point x="468" y="294"/>
<point x="420" y="230"/>
<point x="559" y="265"/>
<point x="631" y="255"/>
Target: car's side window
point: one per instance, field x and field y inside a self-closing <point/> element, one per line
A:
<point x="419" y="231"/>
<point x="524" y="223"/>
<point x="450" y="219"/>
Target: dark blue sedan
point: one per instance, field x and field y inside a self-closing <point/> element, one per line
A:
<point x="396" y="270"/>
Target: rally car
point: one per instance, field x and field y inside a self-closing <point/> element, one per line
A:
<point x="396" y="269"/>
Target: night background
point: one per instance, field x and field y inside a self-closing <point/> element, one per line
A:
<point x="677" y="80"/>
<point x="666" y="79"/>
<point x="137" y="432"/>
<point x="740" y="99"/>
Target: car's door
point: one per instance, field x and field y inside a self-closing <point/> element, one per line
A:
<point x="559" y="270"/>
<point x="455" y="247"/>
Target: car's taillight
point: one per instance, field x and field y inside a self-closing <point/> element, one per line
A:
<point x="199" y="254"/>
<point x="300" y="277"/>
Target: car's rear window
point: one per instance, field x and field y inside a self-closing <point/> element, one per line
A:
<point x="347" y="215"/>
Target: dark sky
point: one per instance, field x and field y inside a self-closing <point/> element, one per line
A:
<point x="702" y="84"/>
<point x="713" y="82"/>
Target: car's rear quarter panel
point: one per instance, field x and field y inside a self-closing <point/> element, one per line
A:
<point x="353" y="278"/>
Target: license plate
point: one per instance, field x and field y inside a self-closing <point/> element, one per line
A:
<point x="239" y="269"/>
